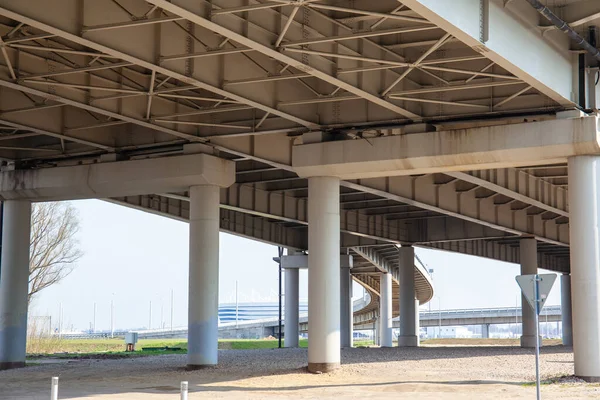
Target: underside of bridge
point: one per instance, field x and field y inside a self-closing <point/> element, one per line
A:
<point x="466" y="126"/>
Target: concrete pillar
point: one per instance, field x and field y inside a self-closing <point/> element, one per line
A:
<point x="292" y="307"/>
<point x="346" y="314"/>
<point x="203" y="303"/>
<point x="485" y="331"/>
<point x="385" y="310"/>
<point x="529" y="266"/>
<point x="14" y="283"/>
<point x="408" y="335"/>
<point x="417" y="319"/>
<point x="323" y="274"/>
<point x="565" y="310"/>
<point x="584" y="227"/>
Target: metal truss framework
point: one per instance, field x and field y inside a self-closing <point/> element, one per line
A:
<point x="134" y="78"/>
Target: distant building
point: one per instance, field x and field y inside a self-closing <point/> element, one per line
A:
<point x="253" y="311"/>
<point x="449" y="332"/>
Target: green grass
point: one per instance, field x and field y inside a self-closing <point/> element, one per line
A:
<point x="115" y="348"/>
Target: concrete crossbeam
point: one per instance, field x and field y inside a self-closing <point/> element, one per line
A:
<point x="503" y="146"/>
<point x="123" y="178"/>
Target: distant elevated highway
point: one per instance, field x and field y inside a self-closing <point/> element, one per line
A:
<point x="465" y="317"/>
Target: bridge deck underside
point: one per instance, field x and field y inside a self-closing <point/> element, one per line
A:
<point x="136" y="79"/>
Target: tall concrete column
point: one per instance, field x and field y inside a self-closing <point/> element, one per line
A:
<point x="584" y="227"/>
<point x="417" y="319"/>
<point x="529" y="266"/>
<point x="385" y="310"/>
<point x="292" y="307"/>
<point x="346" y="315"/>
<point x="565" y="310"/>
<point x="323" y="274"/>
<point x="14" y="282"/>
<point x="485" y="331"/>
<point x="203" y="303"/>
<point x="408" y="333"/>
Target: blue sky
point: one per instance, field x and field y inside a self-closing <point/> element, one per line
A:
<point x="132" y="258"/>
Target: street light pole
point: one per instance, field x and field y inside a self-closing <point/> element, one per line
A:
<point x="171" y="310"/>
<point x="112" y="318"/>
<point x="440" y="316"/>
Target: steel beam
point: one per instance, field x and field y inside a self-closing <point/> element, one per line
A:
<point x="453" y="200"/>
<point x="513" y="22"/>
<point x="106" y="47"/>
<point x="273" y="53"/>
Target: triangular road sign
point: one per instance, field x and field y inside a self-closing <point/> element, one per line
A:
<point x="527" y="282"/>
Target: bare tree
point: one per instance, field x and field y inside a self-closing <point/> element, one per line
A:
<point x="54" y="249"/>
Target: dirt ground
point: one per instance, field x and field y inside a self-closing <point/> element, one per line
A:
<point x="367" y="373"/>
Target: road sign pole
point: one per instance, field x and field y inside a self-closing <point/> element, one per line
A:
<point x="536" y="290"/>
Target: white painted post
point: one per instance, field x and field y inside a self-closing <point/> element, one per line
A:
<point x="54" y="389"/>
<point x="184" y="390"/>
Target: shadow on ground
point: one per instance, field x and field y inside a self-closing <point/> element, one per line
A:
<point x="162" y="374"/>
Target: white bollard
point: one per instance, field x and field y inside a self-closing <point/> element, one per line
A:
<point x="54" y="389"/>
<point x="184" y="390"/>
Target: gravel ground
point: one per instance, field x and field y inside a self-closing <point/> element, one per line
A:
<point x="423" y="373"/>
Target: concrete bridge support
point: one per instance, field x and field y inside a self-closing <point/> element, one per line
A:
<point x="203" y="303"/>
<point x="14" y="282"/>
<point x="485" y="331"/>
<point x="565" y="309"/>
<point x="385" y="313"/>
<point x="417" y="319"/>
<point x="408" y="331"/>
<point x="584" y="206"/>
<point x="346" y="317"/>
<point x="292" y="307"/>
<point x="324" y="274"/>
<point x="529" y="265"/>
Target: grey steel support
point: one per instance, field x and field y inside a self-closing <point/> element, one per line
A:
<point x="529" y="265"/>
<point x="408" y="333"/>
<point x="14" y="279"/>
<point x="565" y="309"/>
<point x="292" y="306"/>
<point x="346" y="321"/>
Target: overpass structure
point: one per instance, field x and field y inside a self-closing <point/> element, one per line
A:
<point x="323" y="126"/>
<point x="260" y="328"/>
